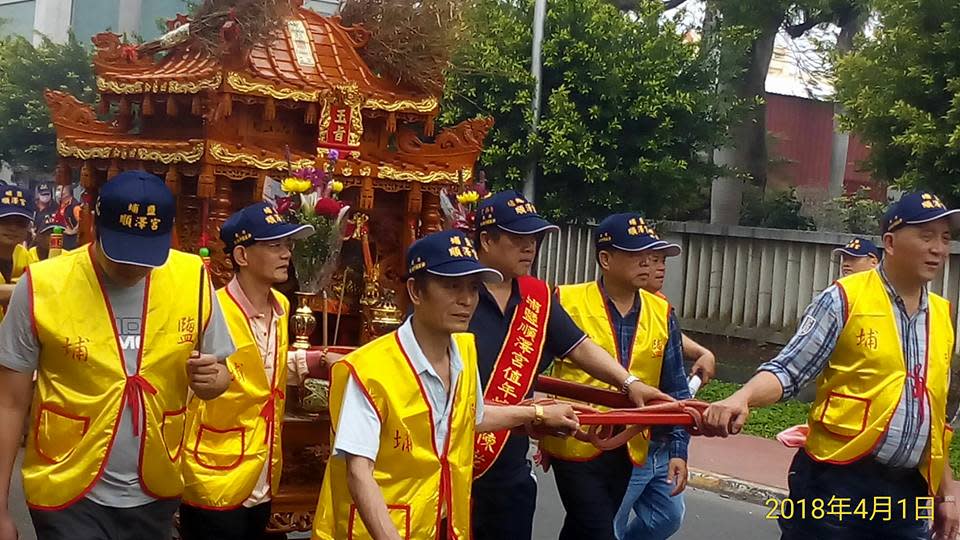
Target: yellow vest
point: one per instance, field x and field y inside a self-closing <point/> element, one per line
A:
<point x="82" y="386"/>
<point x="587" y="305"/>
<point x="858" y="391"/>
<point x="231" y="438"/>
<point x="414" y="477"/>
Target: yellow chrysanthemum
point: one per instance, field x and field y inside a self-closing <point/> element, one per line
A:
<point x="293" y="184"/>
<point x="468" y="197"/>
<point x="336" y="186"/>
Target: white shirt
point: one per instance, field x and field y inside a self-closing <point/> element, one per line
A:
<point x="359" y="426"/>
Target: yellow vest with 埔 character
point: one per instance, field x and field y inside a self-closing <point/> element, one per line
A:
<point x="587" y="306"/>
<point x="231" y="438"/>
<point x="418" y="481"/>
<point x="858" y="391"/>
<point x="82" y="383"/>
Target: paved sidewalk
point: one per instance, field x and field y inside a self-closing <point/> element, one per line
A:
<point x="743" y="467"/>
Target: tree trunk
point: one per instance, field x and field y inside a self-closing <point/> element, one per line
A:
<point x="840" y="143"/>
<point x="748" y="154"/>
<point x="750" y="136"/>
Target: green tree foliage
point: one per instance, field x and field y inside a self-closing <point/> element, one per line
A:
<point x="27" y="138"/>
<point x="629" y="112"/>
<point x="901" y="91"/>
<point x="780" y="210"/>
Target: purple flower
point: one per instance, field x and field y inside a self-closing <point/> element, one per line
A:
<point x="333" y="154"/>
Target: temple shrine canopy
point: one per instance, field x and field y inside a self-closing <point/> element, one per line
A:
<point x="215" y="126"/>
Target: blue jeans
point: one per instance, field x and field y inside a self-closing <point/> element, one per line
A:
<point x="658" y="515"/>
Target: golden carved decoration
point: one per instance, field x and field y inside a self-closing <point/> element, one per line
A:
<point x="347" y="95"/>
<point x="235" y="173"/>
<point x="224" y="155"/>
<point x="161" y="87"/>
<point x="425" y="105"/>
<point x="390" y="173"/>
<point x="241" y="84"/>
<point x="193" y="155"/>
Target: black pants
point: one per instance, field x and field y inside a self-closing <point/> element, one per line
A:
<point x="239" y="524"/>
<point x="88" y="520"/>
<point x="503" y="507"/>
<point x="591" y="492"/>
<point x="865" y="482"/>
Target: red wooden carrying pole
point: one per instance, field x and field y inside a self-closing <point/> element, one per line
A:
<point x="582" y="392"/>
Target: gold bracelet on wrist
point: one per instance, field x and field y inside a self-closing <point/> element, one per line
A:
<point x="538" y="414"/>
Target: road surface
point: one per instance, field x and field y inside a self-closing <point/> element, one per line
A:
<point x="708" y="515"/>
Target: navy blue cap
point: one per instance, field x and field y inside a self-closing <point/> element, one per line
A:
<point x="859" y="247"/>
<point x="259" y="222"/>
<point x="626" y="232"/>
<point x="916" y="208"/>
<point x="134" y="217"/>
<point x="448" y="254"/>
<point x="45" y="221"/>
<point x="13" y="202"/>
<point x="669" y="249"/>
<point x="509" y="211"/>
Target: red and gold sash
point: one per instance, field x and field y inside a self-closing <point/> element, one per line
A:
<point x="516" y="366"/>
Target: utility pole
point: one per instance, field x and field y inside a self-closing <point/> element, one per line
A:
<point x="536" y="69"/>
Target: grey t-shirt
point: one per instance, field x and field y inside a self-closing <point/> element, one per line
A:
<point x="119" y="486"/>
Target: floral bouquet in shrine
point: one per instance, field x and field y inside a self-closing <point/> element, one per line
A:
<point x="312" y="198"/>
<point x="460" y="208"/>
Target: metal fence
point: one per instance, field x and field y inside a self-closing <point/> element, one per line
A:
<point x="745" y="282"/>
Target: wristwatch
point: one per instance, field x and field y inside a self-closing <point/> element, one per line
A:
<point x="945" y="499"/>
<point x="625" y="386"/>
<point x="538" y="414"/>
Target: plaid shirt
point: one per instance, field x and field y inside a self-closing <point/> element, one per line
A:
<point x="806" y="355"/>
<point x="673" y="378"/>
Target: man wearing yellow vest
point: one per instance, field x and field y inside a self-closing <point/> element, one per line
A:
<point x="16" y="215"/>
<point x="233" y="458"/>
<point x="112" y="330"/>
<point x="406" y="407"/>
<point x="879" y="345"/>
<point x="640" y="330"/>
<point x="704" y="362"/>
<point x="521" y="328"/>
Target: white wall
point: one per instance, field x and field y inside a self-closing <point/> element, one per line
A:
<point x="52" y="20"/>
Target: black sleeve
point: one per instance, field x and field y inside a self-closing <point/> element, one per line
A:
<point x="562" y="333"/>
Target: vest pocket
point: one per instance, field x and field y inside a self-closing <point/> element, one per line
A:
<point x="171" y="428"/>
<point x="399" y="516"/>
<point x="58" y="432"/>
<point x="220" y="449"/>
<point x="845" y="415"/>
